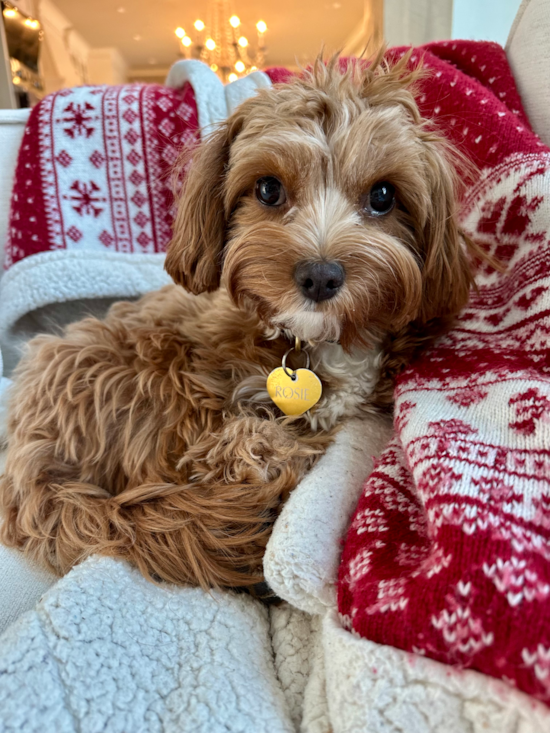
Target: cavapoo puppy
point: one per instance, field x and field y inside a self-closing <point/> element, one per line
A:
<point x="323" y="211"/>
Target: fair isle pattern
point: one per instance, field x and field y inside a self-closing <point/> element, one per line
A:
<point x="448" y="554"/>
<point x="94" y="170"/>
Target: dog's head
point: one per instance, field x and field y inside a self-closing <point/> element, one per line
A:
<point x="329" y="204"/>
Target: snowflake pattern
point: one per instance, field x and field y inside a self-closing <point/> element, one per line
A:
<point x="101" y="158"/>
<point x="467" y="396"/>
<point x="77" y="119"/>
<point x="404" y="410"/>
<point x="86" y="198"/>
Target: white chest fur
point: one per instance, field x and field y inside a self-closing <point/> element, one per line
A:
<point x="352" y="379"/>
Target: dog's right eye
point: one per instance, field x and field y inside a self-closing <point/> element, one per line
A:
<point x="270" y="191"/>
<point x="380" y="200"/>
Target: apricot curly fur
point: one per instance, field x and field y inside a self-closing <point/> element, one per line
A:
<point x="125" y="432"/>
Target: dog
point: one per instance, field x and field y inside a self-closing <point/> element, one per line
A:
<point x="322" y="213"/>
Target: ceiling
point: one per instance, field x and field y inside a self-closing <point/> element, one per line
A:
<point x="143" y="30"/>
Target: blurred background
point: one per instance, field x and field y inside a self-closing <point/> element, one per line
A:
<point x="47" y="45"/>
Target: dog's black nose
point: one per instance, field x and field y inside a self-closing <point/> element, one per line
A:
<point x="319" y="280"/>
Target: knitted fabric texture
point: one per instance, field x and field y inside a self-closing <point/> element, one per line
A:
<point x="448" y="553"/>
<point x="94" y="170"/>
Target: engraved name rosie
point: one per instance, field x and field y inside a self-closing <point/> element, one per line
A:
<point x="291" y="393"/>
<point x="294" y="393"/>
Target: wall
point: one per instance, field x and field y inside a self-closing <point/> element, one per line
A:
<point x="484" y="20"/>
<point x="416" y="22"/>
<point x="66" y="58"/>
<point x="65" y="51"/>
<point x="369" y="36"/>
<point x="419" y="21"/>
<point x="148" y="75"/>
<point x="106" y="66"/>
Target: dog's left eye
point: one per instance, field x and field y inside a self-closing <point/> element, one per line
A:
<point x="270" y="191"/>
<point x="379" y="200"/>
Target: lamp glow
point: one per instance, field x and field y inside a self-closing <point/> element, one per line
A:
<point x="261" y="26"/>
<point x="210" y="44"/>
<point x="179" y="32"/>
<point x="10" y="12"/>
<point x="240" y="67"/>
<point x="31" y="23"/>
<point x="233" y="77"/>
<point x="186" y="41"/>
<point x="243" y="41"/>
<point x="235" y="21"/>
<point x="199" y="25"/>
<point x="214" y="67"/>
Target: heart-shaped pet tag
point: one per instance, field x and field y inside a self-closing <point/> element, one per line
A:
<point x="294" y="392"/>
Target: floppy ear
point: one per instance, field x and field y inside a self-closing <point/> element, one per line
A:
<point x="194" y="253"/>
<point x="447" y="275"/>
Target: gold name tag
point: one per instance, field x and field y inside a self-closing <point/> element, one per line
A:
<point x="294" y="392"/>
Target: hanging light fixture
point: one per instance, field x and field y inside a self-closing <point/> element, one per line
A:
<point x="221" y="43"/>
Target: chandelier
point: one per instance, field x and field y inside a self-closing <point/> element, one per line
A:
<point x="221" y="43"/>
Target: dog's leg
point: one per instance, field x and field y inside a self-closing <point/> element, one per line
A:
<point x="210" y="529"/>
<point x="213" y="529"/>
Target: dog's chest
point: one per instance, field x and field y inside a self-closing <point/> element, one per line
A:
<point x="348" y="379"/>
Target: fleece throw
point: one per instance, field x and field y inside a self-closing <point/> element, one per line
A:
<point x="108" y="651"/>
<point x="448" y="555"/>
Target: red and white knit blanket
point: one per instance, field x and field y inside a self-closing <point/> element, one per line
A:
<point x="448" y="554"/>
<point x="92" y="186"/>
<point x="95" y="164"/>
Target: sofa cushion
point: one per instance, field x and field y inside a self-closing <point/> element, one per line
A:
<point x="528" y="50"/>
